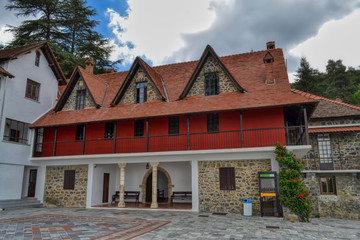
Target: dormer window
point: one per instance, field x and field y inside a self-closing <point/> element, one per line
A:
<point x="211" y="84"/>
<point x="80" y="99"/>
<point x="141" y="92"/>
<point x="37" y="58"/>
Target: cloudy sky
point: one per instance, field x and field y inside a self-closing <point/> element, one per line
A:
<point x="167" y="31"/>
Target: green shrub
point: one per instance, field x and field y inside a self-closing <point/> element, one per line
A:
<point x="293" y="192"/>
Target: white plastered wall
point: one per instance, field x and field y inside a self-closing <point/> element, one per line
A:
<point x="98" y="181"/>
<point x="11" y="181"/>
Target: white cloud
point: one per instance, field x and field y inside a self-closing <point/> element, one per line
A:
<point x="335" y="40"/>
<point x="155" y="28"/>
<point x="6" y="36"/>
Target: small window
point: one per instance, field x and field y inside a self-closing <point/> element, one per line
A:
<point x="109" y="130"/>
<point x="139" y="128"/>
<point x="211" y="84"/>
<point x="39" y="136"/>
<point x="32" y="90"/>
<point x="37" y="58"/>
<point x="16" y="131"/>
<point x="327" y="185"/>
<point x="80" y="99"/>
<point x="212" y="122"/>
<point x="324" y="148"/>
<point x="174" y="125"/>
<point x="79" y="132"/>
<point x="69" y="179"/>
<point x="227" y="178"/>
<point x="141" y="92"/>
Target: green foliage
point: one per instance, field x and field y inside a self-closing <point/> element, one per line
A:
<point x="336" y="82"/>
<point x="68" y="26"/>
<point x="293" y="192"/>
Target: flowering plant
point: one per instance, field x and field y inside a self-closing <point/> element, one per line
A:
<point x="293" y="192"/>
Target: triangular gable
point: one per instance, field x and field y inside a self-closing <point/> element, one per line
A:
<point x="152" y="76"/>
<point x="209" y="53"/>
<point x="94" y="87"/>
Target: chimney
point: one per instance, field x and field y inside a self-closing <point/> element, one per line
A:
<point x="269" y="69"/>
<point x="270" y="45"/>
<point x="89" y="65"/>
<point x="110" y="70"/>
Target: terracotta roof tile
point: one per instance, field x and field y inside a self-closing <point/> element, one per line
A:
<point x="334" y="129"/>
<point x="330" y="108"/>
<point x="96" y="86"/>
<point x="13" y="52"/>
<point x="247" y="69"/>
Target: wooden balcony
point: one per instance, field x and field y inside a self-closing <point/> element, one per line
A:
<point x="245" y="138"/>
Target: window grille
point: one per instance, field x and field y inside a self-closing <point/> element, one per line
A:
<point x="16" y="131"/>
<point x="211" y="84"/>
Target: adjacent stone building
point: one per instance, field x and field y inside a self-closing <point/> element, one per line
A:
<point x="332" y="166"/>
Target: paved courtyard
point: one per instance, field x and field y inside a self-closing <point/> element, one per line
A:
<point x="66" y="223"/>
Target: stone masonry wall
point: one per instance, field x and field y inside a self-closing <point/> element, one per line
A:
<point x="344" y="205"/>
<point x="212" y="199"/>
<point x="71" y="101"/>
<point x="54" y="187"/>
<point x="345" y="151"/>
<point x="211" y="65"/>
<point x="140" y="76"/>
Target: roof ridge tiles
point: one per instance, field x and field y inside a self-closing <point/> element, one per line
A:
<point x="323" y="98"/>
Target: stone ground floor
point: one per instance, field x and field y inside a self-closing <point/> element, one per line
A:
<point x="80" y="223"/>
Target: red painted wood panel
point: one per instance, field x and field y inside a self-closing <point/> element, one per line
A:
<point x="158" y="126"/>
<point x="48" y="139"/>
<point x="95" y="131"/>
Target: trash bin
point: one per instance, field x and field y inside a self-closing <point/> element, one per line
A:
<point x="247" y="207"/>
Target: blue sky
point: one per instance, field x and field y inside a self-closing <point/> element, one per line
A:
<point x="168" y="31"/>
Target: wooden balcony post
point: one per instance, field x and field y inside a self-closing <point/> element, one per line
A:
<point x="114" y="144"/>
<point x="55" y="139"/>
<point x="83" y="140"/>
<point x="147" y="135"/>
<point x="241" y="129"/>
<point x="306" y="128"/>
<point x="188" y="131"/>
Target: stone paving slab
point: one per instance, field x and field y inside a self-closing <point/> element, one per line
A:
<point x="169" y="225"/>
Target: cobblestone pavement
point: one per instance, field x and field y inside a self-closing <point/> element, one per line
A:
<point x="104" y="223"/>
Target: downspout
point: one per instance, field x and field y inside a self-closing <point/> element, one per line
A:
<point x="3" y="103"/>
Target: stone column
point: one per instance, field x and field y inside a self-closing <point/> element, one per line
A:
<point x="154" y="166"/>
<point x="91" y="167"/>
<point x="122" y="167"/>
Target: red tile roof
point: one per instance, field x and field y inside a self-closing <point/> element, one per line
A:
<point x="247" y="69"/>
<point x="330" y="108"/>
<point x="13" y="52"/>
<point x="334" y="129"/>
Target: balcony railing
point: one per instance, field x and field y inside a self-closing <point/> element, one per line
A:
<point x="333" y="163"/>
<point x="265" y="137"/>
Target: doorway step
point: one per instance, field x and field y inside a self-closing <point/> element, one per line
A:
<point x="20" y="203"/>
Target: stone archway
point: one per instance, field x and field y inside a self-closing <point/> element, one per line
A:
<point x="143" y="185"/>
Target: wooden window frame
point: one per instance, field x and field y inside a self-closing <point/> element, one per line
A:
<point x="32" y="90"/>
<point x="18" y="134"/>
<point x="141" y="92"/>
<point x="80" y="99"/>
<point x="173" y="125"/>
<point x="139" y="128"/>
<point x="227" y="178"/>
<point x="79" y="132"/>
<point x="109" y="130"/>
<point x="69" y="179"/>
<point x="212" y="122"/>
<point x="211" y="83"/>
<point x="327" y="183"/>
<point x="37" y="58"/>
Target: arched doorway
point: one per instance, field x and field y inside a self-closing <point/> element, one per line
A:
<point x="164" y="186"/>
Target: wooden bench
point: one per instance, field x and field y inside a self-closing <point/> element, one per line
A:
<point x="127" y="195"/>
<point x="183" y="195"/>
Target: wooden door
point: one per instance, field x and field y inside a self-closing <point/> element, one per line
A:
<point x="106" y="187"/>
<point x="149" y="188"/>
<point x="32" y="182"/>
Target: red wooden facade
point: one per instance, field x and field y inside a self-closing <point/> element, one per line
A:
<point x="252" y="128"/>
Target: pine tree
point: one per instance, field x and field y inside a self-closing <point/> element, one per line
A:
<point x="67" y="26"/>
<point x="306" y="78"/>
